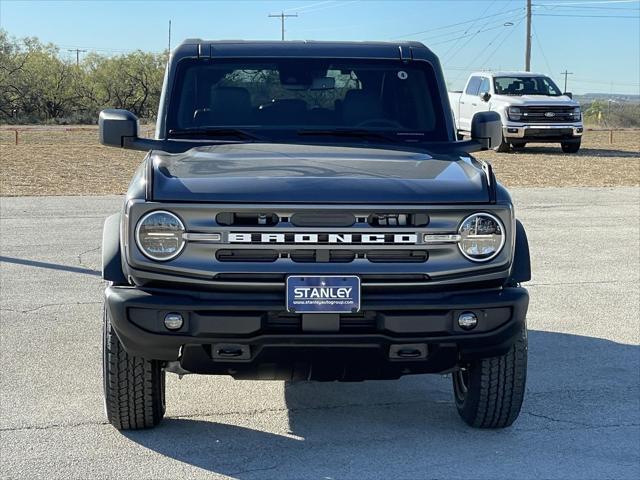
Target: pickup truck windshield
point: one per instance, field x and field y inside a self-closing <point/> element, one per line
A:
<point x="272" y="98"/>
<point x="526" y="86"/>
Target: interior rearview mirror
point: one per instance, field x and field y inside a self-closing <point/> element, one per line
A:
<point x="486" y="129"/>
<point x="323" y="83"/>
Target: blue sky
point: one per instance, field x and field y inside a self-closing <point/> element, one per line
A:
<point x="597" y="40"/>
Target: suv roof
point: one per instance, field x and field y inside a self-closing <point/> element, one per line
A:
<point x="300" y="48"/>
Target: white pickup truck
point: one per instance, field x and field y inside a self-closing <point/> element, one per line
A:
<point x="531" y="106"/>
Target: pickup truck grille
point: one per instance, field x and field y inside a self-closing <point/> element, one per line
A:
<point x="542" y="114"/>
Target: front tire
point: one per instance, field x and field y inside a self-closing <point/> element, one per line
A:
<point x="489" y="392"/>
<point x="570" y="147"/>
<point x="134" y="387"/>
<point x="504" y="147"/>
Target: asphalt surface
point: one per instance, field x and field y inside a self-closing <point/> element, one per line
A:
<point x="581" y="417"/>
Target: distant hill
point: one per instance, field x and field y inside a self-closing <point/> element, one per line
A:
<point x="603" y="97"/>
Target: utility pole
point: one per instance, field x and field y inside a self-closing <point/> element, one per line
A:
<point x="78" y="52"/>
<point x="282" y="16"/>
<point x="169" y="37"/>
<point x="527" y="51"/>
<point x="566" y="74"/>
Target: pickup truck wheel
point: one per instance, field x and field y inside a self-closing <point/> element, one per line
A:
<point x="134" y="387"/>
<point x="504" y="147"/>
<point x="489" y="392"/>
<point x="570" y="147"/>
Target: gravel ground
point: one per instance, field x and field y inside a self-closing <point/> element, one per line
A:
<point x="581" y="417"/>
<point x="61" y="162"/>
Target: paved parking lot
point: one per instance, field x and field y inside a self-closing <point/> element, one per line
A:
<point x="581" y="417"/>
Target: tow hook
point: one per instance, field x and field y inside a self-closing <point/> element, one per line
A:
<point x="230" y="351"/>
<point x="408" y="351"/>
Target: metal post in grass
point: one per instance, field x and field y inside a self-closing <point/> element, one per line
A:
<point x="16" y="132"/>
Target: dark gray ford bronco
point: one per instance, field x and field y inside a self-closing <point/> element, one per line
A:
<point x="305" y="211"/>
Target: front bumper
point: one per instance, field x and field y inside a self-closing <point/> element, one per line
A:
<point x="268" y="341"/>
<point x="542" y="133"/>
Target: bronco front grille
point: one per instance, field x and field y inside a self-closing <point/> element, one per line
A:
<point x="322" y="236"/>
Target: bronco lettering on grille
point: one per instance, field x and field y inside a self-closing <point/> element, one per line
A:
<point x="324" y="238"/>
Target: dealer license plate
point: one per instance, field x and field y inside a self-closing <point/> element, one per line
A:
<point x="323" y="294"/>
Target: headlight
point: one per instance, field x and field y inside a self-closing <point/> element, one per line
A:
<point x="482" y="237"/>
<point x="576" y="113"/>
<point x="515" y="113"/>
<point x="159" y="235"/>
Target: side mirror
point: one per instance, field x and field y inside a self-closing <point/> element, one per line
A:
<point x="568" y="94"/>
<point x="119" y="128"/>
<point x="117" y="125"/>
<point x="486" y="129"/>
<point x="485" y="96"/>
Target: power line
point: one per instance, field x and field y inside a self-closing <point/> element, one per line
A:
<point x="98" y="49"/>
<point x="501" y="22"/>
<point x="311" y="5"/>
<point x="282" y="16"/>
<point x="509" y="33"/>
<point x="486" y="10"/>
<point x="553" y="7"/>
<point x="473" y="20"/>
<point x="468" y="67"/>
<point x="333" y="5"/>
<point x="446" y="55"/>
<point x="544" y="55"/>
<point x="584" y="16"/>
<point x="607" y="83"/>
<point x="464" y="36"/>
<point x="607" y="2"/>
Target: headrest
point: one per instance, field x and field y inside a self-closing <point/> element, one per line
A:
<point x="359" y="106"/>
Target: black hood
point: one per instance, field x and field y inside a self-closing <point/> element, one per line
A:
<point x="292" y="173"/>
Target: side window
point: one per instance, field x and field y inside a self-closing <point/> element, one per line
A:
<point x="472" y="87"/>
<point x="484" y="86"/>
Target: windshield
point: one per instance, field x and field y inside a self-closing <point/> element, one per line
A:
<point x="526" y="86"/>
<point x="282" y="97"/>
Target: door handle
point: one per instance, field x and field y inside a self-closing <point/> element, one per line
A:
<point x="474" y="104"/>
<point x="461" y="103"/>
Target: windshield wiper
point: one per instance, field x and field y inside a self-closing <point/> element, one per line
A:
<point x="214" y="133"/>
<point x="346" y="132"/>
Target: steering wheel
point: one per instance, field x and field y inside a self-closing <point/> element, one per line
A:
<point x="379" y="122"/>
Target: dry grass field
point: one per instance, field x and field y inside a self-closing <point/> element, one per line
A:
<point x="69" y="161"/>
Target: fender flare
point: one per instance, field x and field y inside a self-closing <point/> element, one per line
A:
<point x="111" y="253"/>
<point x="521" y="268"/>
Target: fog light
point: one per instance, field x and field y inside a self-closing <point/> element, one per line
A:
<point x="173" y="321"/>
<point x="467" y="320"/>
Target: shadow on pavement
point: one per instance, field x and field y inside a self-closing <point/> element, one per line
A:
<point x="52" y="266"/>
<point x="577" y="388"/>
